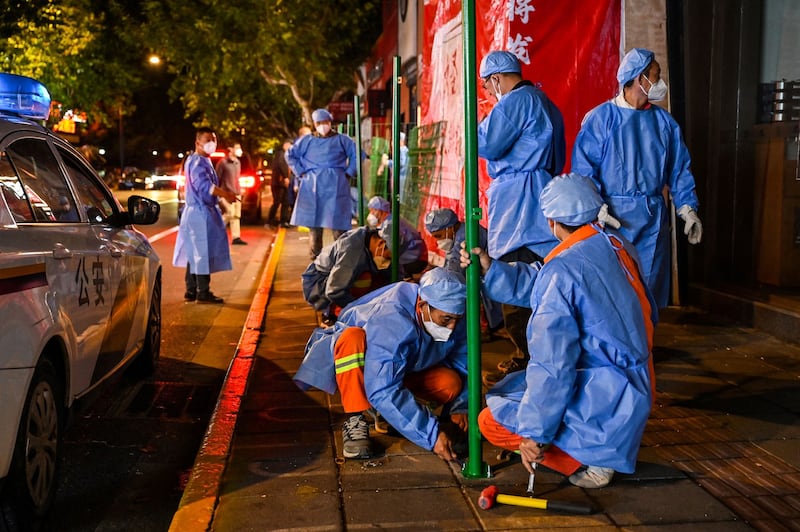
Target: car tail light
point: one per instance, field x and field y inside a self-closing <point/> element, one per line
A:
<point x="247" y="181"/>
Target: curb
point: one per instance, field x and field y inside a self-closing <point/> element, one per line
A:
<point x="199" y="500"/>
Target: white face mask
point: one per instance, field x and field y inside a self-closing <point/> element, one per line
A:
<point x="445" y="244"/>
<point x="372" y="220"/>
<point x="497" y="93"/>
<point x="658" y="90"/>
<point x="237" y="152"/>
<point x="439" y="333"/>
<point x="210" y="147"/>
<point x="323" y="129"/>
<point x="553" y="230"/>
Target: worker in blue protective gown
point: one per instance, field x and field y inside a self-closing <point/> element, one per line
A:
<point x="633" y="150"/>
<point x="323" y="162"/>
<point x="522" y="140"/>
<point x="391" y="353"/>
<point x="586" y="394"/>
<point x="450" y="235"/>
<point x="202" y="243"/>
<point x="349" y="267"/>
<point x="412" y="252"/>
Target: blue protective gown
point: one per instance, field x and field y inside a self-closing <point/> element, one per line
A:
<point x="522" y="139"/>
<point x="323" y="165"/>
<point x="587" y="386"/>
<point x="632" y="155"/>
<point x="330" y="277"/>
<point x="397" y="345"/>
<point x="202" y="240"/>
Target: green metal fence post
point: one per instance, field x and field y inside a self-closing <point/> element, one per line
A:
<point x="359" y="175"/>
<point x="395" y="150"/>
<point x="474" y="467"/>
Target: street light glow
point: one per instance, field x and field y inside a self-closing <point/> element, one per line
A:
<point x="154" y="59"/>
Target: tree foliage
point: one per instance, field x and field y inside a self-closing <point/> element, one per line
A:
<point x="80" y="50"/>
<point x="263" y="65"/>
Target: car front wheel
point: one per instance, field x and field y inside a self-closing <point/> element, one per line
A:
<point x="147" y="360"/>
<point x="32" y="479"/>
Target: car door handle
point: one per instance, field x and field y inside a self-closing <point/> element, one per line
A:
<point x="114" y="251"/>
<point x="60" y="251"/>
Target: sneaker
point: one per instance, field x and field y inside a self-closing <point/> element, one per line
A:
<point x="190" y="296"/>
<point x="592" y="477"/>
<point x="238" y="242"/>
<point x="208" y="297"/>
<point x="355" y="438"/>
<point x="378" y="423"/>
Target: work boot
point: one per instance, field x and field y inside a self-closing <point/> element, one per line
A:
<point x="355" y="438"/>
<point x="189" y="296"/>
<point x="592" y="477"/>
<point x="378" y="423"/>
<point x="208" y="297"/>
<point x="238" y="242"/>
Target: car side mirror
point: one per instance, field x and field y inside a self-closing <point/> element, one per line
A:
<point x="143" y="211"/>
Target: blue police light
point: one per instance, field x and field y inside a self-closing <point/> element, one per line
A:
<point x="24" y="96"/>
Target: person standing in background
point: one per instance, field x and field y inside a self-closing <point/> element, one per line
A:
<point x="229" y="168"/>
<point x="281" y="180"/>
<point x="324" y="162"/>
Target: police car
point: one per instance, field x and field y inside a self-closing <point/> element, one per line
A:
<point x="80" y="294"/>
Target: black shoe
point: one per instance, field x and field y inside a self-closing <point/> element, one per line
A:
<point x="238" y="242"/>
<point x="286" y="225"/>
<point x="190" y="296"/>
<point x="208" y="297"/>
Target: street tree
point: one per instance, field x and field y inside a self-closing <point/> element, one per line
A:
<point x="262" y="64"/>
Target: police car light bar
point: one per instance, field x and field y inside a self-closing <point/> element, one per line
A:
<point x="24" y="96"/>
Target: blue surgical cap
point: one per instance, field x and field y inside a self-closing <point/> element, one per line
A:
<point x="570" y="199"/>
<point x="439" y="219"/>
<point x="634" y="64"/>
<point x="321" y="115"/>
<point x="445" y="290"/>
<point x="499" y="62"/>
<point x="378" y="203"/>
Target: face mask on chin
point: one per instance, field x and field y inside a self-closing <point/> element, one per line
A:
<point x="439" y="333"/>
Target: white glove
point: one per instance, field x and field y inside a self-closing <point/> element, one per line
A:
<point x="606" y="219"/>
<point x="693" y="228"/>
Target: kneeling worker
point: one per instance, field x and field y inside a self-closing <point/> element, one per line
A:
<point x="586" y="393"/>
<point x="394" y="345"/>
<point x="354" y="264"/>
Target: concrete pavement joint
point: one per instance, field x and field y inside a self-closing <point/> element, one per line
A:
<point x="196" y="509"/>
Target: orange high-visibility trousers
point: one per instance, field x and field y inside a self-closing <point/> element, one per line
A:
<point x="437" y="384"/>
<point x="497" y="434"/>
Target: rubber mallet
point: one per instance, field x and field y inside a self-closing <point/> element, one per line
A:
<point x="490" y="496"/>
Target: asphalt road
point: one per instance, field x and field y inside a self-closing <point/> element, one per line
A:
<point x="130" y="447"/>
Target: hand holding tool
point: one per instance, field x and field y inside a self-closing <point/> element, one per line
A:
<point x="490" y="496"/>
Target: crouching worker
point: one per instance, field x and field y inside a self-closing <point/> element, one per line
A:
<point x="390" y="349"/>
<point x="581" y="405"/>
<point x="353" y="265"/>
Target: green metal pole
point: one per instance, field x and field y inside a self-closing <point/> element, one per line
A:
<point x="396" y="170"/>
<point x="474" y="466"/>
<point x="359" y="179"/>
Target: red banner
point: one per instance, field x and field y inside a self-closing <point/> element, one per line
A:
<point x="570" y="51"/>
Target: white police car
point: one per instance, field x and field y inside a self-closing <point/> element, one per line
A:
<point x="80" y="294"/>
